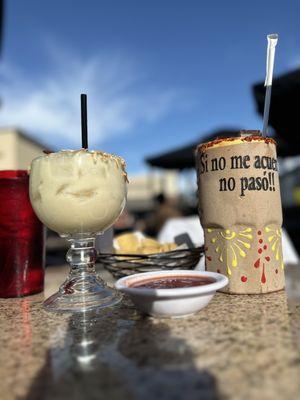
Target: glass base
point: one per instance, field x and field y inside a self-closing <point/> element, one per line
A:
<point x="77" y="295"/>
<point x="82" y="290"/>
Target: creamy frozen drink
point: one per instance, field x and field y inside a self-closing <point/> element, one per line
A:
<point x="74" y="192"/>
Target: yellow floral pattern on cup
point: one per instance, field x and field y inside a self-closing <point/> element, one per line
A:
<point x="240" y="243"/>
<point x="274" y="237"/>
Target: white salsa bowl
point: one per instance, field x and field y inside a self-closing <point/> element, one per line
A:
<point x="171" y="302"/>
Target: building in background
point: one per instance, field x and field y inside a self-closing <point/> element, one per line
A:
<point x="17" y="149"/>
<point x="143" y="188"/>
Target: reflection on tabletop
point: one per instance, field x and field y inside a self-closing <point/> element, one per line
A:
<point x="237" y="347"/>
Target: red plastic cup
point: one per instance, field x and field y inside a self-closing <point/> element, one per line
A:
<point x="22" y="249"/>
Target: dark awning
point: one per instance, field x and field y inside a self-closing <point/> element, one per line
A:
<point x="184" y="157"/>
<point x="284" y="111"/>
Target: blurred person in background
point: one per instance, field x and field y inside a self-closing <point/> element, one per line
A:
<point x="164" y="209"/>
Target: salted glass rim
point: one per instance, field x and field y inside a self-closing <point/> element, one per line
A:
<point x="87" y="151"/>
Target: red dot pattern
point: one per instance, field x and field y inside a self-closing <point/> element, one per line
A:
<point x="260" y="250"/>
<point x="244" y="278"/>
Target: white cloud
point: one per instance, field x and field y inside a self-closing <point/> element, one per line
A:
<point x="47" y="105"/>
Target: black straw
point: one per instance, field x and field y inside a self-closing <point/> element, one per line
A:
<point x="84" y="130"/>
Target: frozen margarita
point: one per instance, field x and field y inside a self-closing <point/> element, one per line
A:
<point x="75" y="192"/>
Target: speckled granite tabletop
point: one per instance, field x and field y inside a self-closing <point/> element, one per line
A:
<point x="239" y="347"/>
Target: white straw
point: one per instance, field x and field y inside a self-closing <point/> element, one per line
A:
<point x="272" y="42"/>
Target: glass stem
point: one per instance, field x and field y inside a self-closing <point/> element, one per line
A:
<point x="81" y="256"/>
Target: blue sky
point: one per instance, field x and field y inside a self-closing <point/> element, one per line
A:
<point x="158" y="74"/>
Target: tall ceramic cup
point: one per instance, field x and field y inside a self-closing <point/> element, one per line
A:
<point x="240" y="211"/>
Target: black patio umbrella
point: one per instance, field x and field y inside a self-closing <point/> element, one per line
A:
<point x="284" y="111"/>
<point x="184" y="157"/>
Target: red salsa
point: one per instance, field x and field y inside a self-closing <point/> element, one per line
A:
<point x="171" y="282"/>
